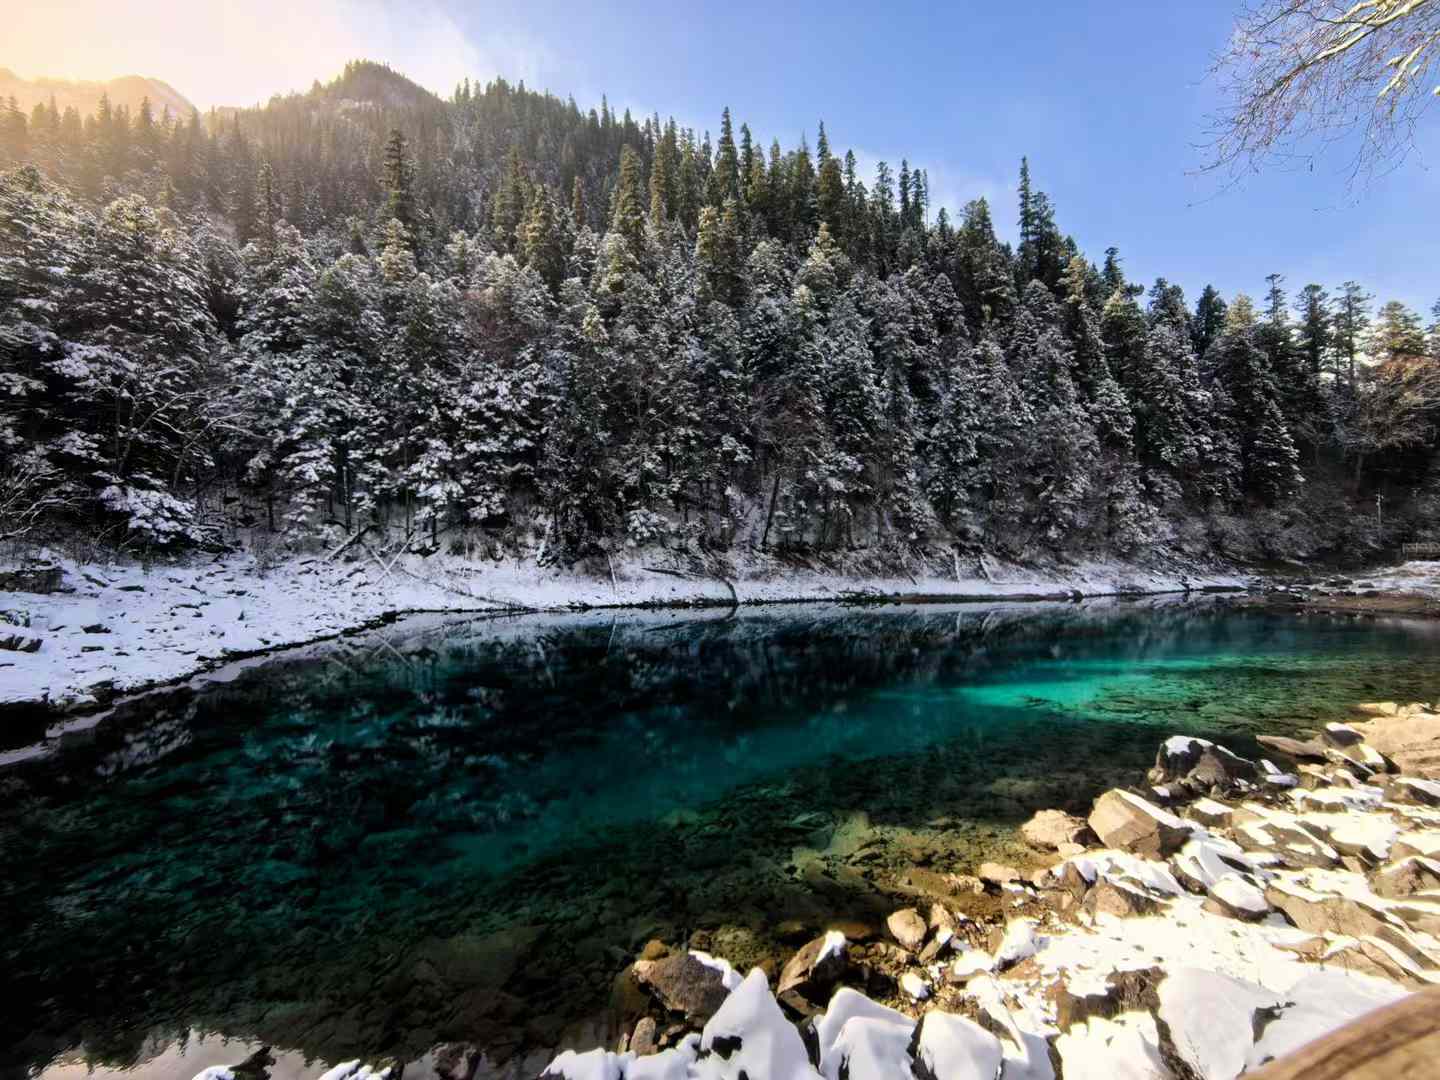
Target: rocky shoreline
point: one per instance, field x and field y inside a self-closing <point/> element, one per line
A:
<point x="1216" y="918"/>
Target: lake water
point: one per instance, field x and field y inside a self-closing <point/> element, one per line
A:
<point x="465" y="830"/>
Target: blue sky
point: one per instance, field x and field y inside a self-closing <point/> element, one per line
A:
<point x="1109" y="100"/>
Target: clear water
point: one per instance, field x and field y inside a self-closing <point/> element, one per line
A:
<point x="465" y="831"/>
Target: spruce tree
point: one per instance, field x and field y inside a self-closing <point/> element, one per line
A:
<point x="1351" y="329"/>
<point x="628" y="217"/>
<point x="399" y="180"/>
<point x="1209" y="320"/>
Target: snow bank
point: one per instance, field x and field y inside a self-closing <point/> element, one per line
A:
<point x="122" y="628"/>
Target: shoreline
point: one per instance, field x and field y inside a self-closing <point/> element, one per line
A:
<point x="115" y="613"/>
<point x="1024" y="897"/>
<point x="1223" y="915"/>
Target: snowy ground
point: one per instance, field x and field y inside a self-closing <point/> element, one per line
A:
<point x="121" y="628"/>
<point x="1417" y="576"/>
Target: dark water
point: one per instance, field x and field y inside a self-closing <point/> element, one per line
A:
<point x="466" y="831"/>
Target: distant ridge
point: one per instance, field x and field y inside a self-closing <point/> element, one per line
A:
<point x="84" y="95"/>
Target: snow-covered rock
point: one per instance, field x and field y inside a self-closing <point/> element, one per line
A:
<point x="1209" y="1020"/>
<point x="949" y="1047"/>
<point x="750" y="1037"/>
<point x="1239" y="897"/>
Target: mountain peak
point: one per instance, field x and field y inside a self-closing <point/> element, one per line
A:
<point x="84" y="95"/>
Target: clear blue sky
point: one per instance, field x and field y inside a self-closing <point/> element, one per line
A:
<point x="1109" y="100"/>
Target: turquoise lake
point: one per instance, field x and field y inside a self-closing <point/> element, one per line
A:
<point x="465" y="829"/>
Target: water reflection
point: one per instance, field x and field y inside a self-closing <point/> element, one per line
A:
<point x="464" y="830"/>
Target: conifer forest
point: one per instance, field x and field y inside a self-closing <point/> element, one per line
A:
<point x="504" y="322"/>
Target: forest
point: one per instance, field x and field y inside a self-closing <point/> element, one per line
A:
<point x="496" y="323"/>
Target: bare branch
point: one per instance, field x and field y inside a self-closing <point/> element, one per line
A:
<point x="1302" y="75"/>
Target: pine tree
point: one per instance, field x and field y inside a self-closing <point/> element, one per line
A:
<point x="577" y="204"/>
<point x="540" y="243"/>
<point x="1315" y="334"/>
<point x="267" y="205"/>
<point x="507" y="208"/>
<point x="1209" y="320"/>
<point x="399" y="180"/>
<point x="1397" y="333"/>
<point x="628" y="217"/>
<point x="1352" y="327"/>
<point x="725" y="180"/>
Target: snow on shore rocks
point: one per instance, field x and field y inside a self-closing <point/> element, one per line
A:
<point x="1202" y="940"/>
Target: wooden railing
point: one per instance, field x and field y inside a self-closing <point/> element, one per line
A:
<point x="1425" y="550"/>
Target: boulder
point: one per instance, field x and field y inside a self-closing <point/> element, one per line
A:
<point x="945" y="1047"/>
<point x="453" y="1061"/>
<point x="1295" y="751"/>
<point x="998" y="873"/>
<point x="1210" y="813"/>
<point x="908" y="928"/>
<point x="1049" y="829"/>
<point x="1406" y="877"/>
<point x="1237" y="897"/>
<point x="1110" y="897"/>
<point x="1017" y="943"/>
<point x="32" y="579"/>
<point x="645" y="1039"/>
<point x="1341" y="735"/>
<point x="915" y="986"/>
<point x="1198" y="765"/>
<point x="811" y="974"/>
<point x="1362" y="757"/>
<point x="1423" y="842"/>
<point x="1207" y="1021"/>
<point x="1064" y="886"/>
<point x="1125" y="991"/>
<point x="26" y="643"/>
<point x="1411" y="789"/>
<point x="1411" y="741"/>
<point x="1128" y="822"/>
<point x="684" y="984"/>
<point x="1320" y="913"/>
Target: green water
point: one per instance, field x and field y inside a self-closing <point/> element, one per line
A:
<point x="465" y="831"/>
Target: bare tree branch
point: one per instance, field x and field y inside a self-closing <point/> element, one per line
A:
<point x="1302" y="75"/>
